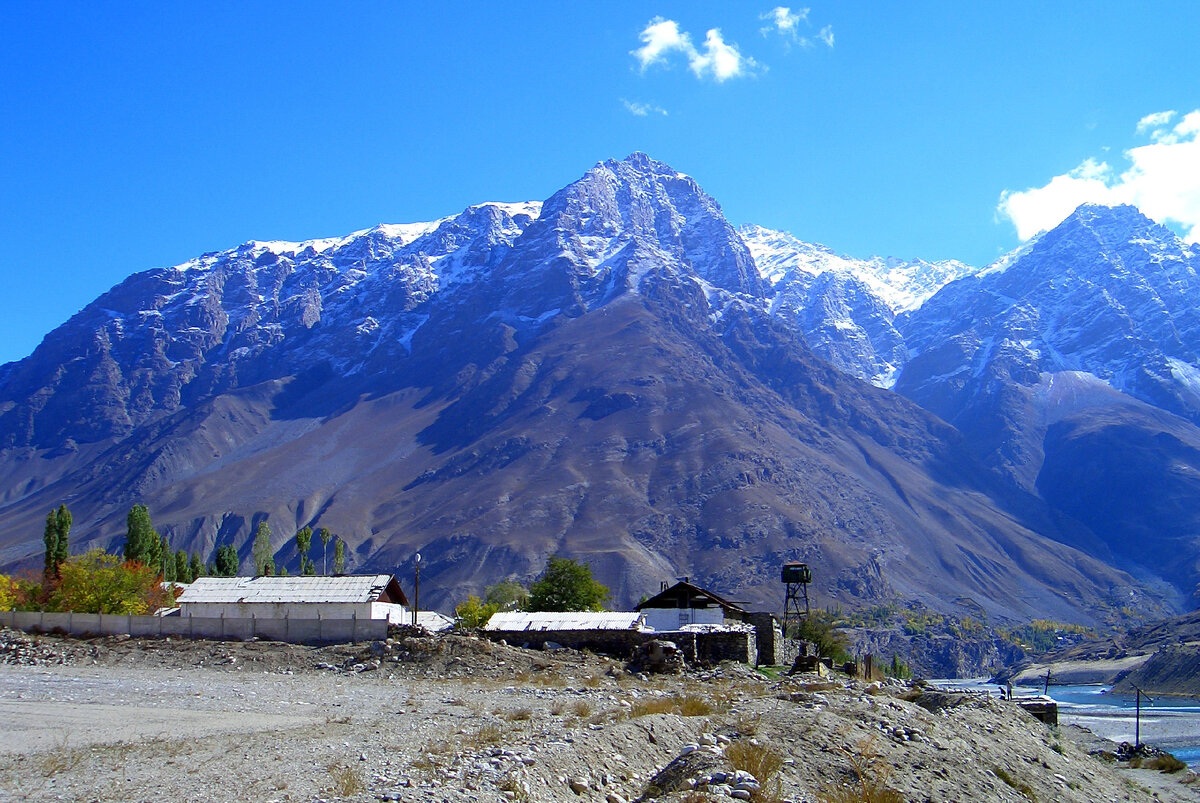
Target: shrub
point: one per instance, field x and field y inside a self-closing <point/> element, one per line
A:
<point x="1020" y="786"/>
<point x="474" y="613"/>
<point x="97" y="582"/>
<point x="870" y="779"/>
<point x="761" y="761"/>
<point x="819" y="629"/>
<point x="345" y="781"/>
<point x="1165" y="762"/>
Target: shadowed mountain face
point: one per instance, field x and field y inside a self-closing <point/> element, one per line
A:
<point x="597" y="376"/>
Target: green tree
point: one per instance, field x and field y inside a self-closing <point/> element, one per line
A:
<point x="142" y="543"/>
<point x="264" y="561"/>
<point x="58" y="549"/>
<point x="303" y="545"/>
<point x="166" y="558"/>
<point x="183" y="569"/>
<point x="97" y="582"/>
<point x="474" y="612"/>
<point x="339" y="556"/>
<point x="195" y="567"/>
<point x="226" y="562"/>
<point x="507" y="595"/>
<point x="819" y="630"/>
<point x="567" y="585"/>
<point x="325" y="535"/>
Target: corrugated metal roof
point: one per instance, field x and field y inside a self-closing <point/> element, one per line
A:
<point x="345" y="588"/>
<point x="514" y="621"/>
<point x="433" y="621"/>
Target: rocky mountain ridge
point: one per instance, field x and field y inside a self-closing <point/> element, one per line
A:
<point x="606" y="374"/>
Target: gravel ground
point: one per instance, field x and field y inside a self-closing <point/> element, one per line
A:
<point x="459" y="719"/>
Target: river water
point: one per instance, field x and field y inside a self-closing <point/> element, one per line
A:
<point x="1171" y="723"/>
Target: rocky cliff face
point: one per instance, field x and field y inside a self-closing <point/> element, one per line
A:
<point x="603" y="375"/>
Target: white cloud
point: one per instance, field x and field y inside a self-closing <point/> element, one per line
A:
<point x="784" y="21"/>
<point x="718" y="59"/>
<point x="1154" y="121"/>
<point x="660" y="38"/>
<point x="642" y="109"/>
<point x="1162" y="180"/>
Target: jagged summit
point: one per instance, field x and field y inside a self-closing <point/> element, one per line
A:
<point x="606" y="374"/>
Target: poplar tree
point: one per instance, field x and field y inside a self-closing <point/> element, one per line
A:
<point x="58" y="526"/>
<point x="142" y="543"/>
<point x="325" y="535"/>
<point x="339" y="556"/>
<point x="264" y="561"/>
<point x="303" y="545"/>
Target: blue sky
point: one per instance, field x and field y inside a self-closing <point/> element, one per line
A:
<point x="141" y="134"/>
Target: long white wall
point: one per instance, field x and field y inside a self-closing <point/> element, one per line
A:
<point x="675" y="618"/>
<point x="299" y="630"/>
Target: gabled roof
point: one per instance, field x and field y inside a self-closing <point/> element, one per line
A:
<point x="522" y="621"/>
<point x="690" y="594"/>
<point x="343" y="588"/>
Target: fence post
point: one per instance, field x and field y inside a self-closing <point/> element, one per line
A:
<point x="353" y="627"/>
<point x="222" y="625"/>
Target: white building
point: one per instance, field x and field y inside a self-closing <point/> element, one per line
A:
<point x="356" y="596"/>
<point x="686" y="606"/>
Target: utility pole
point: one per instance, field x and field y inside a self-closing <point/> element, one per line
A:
<point x="1137" y="727"/>
<point x="416" y="588"/>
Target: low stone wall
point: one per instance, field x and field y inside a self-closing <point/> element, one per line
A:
<point x="617" y="643"/>
<point x="698" y="647"/>
<point x="296" y="631"/>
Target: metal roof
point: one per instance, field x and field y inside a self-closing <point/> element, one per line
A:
<point x="517" y="621"/>
<point x="343" y="588"/>
<point x="433" y="621"/>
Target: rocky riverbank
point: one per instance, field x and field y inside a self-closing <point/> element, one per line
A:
<point x="459" y="719"/>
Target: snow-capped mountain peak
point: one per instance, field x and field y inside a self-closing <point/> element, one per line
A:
<point x="902" y="284"/>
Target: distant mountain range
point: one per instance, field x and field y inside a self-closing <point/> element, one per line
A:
<point x="618" y="374"/>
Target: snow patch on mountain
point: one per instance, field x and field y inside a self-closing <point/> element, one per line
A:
<point x="902" y="284"/>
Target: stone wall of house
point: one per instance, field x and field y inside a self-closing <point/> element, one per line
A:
<point x="769" y="639"/>
<point x="617" y="643"/>
<point x="698" y="647"/>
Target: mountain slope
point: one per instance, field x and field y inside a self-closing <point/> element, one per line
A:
<point x="603" y="380"/>
<point x="845" y="307"/>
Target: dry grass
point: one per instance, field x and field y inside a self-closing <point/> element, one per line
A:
<point x="558" y="708"/>
<point x="581" y="709"/>
<point x="486" y="736"/>
<point x="1020" y="786"/>
<point x="870" y="779"/>
<point x="519" y="715"/>
<point x="685" y="705"/>
<point x="345" y="781"/>
<point x="760" y="760"/>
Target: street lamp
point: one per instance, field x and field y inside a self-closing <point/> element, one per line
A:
<point x="416" y="588"/>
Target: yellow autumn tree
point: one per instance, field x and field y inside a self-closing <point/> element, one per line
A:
<point x="8" y="592"/>
<point x="97" y="582"/>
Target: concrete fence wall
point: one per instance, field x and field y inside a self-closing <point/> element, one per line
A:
<point x="296" y="631"/>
